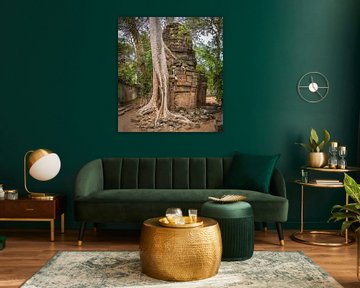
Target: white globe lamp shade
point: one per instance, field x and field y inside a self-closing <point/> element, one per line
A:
<point x="44" y="164"/>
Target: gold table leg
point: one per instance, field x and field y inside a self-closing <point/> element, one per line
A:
<point x="302" y="210"/>
<point x="63" y="223"/>
<point x="52" y="230"/>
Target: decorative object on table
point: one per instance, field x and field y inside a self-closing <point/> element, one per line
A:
<point x="43" y="165"/>
<point x="11" y="194"/>
<point x="304" y="176"/>
<point x="333" y="150"/>
<point x="313" y="87"/>
<point x="228" y="198"/>
<point x="187" y="223"/>
<point x="342" y="153"/>
<point x="122" y="268"/>
<point x="2" y="242"/>
<point x="328" y="181"/>
<point x="193" y="215"/>
<point x="180" y="254"/>
<point x="2" y="192"/>
<point x="350" y="213"/>
<point x="317" y="157"/>
<point x="174" y="215"/>
<point x="236" y="221"/>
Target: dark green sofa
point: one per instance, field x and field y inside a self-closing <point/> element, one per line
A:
<point x="130" y="190"/>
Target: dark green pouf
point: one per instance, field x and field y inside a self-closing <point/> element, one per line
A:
<point x="2" y="242"/>
<point x="236" y="221"/>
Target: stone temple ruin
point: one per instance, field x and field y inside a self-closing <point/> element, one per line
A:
<point x="187" y="86"/>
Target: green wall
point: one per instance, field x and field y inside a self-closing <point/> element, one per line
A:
<point x="58" y="86"/>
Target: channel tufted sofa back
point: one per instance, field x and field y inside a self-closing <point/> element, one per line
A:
<point x="164" y="173"/>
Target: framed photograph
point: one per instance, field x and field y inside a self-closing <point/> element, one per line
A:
<point x="170" y="74"/>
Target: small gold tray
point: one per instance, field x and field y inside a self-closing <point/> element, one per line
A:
<point x="165" y="222"/>
<point x="228" y="198"/>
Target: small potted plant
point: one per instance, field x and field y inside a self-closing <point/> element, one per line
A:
<point x="317" y="157"/>
<point x="350" y="214"/>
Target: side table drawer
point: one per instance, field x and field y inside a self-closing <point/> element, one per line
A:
<point x="30" y="209"/>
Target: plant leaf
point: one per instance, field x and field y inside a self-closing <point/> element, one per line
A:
<point x="321" y="146"/>
<point x="350" y="207"/>
<point x="314" y="135"/>
<point x="326" y="136"/>
<point x="312" y="144"/>
<point x="346" y="225"/>
<point x="306" y="146"/>
<point x="337" y="216"/>
<point x="352" y="188"/>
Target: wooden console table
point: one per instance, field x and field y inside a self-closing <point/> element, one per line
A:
<point x="26" y="209"/>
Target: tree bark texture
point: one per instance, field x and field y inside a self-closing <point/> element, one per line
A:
<point x="160" y="94"/>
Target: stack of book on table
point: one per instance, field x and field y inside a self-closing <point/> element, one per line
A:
<point x="327" y="181"/>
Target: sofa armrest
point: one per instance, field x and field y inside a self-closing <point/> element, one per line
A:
<point x="89" y="179"/>
<point x="277" y="184"/>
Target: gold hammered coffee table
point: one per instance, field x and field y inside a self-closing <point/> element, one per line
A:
<point x="180" y="254"/>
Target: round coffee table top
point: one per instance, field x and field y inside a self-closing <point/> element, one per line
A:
<point x="154" y="223"/>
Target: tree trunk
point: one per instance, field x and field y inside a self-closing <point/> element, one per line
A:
<point x="160" y="94"/>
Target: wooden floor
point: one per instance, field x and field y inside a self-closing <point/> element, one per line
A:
<point x="28" y="250"/>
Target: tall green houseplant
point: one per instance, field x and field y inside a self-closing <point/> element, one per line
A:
<point x="349" y="214"/>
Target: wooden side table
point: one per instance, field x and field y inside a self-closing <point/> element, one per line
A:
<point x="26" y="209"/>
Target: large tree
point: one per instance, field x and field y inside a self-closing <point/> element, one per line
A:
<point x="133" y="32"/>
<point x="159" y="100"/>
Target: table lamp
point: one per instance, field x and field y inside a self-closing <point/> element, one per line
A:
<point x="43" y="165"/>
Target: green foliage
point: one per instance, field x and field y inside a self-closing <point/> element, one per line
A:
<point x="135" y="69"/>
<point x="145" y="74"/>
<point x="314" y="144"/>
<point x="349" y="214"/>
<point x="207" y="34"/>
<point x="184" y="33"/>
<point x="127" y="69"/>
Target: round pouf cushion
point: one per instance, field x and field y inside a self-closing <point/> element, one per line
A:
<point x="236" y="221"/>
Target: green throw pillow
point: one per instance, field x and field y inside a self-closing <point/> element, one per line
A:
<point x="251" y="172"/>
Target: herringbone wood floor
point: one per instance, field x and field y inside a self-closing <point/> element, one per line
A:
<point x="28" y="250"/>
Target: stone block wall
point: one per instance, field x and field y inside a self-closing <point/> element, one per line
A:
<point x="187" y="86"/>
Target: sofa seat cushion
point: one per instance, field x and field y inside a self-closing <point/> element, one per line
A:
<point x="266" y="207"/>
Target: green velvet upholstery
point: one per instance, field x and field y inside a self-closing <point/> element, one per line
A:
<point x="236" y="223"/>
<point x="251" y="172"/>
<point x="134" y="189"/>
<point x="268" y="208"/>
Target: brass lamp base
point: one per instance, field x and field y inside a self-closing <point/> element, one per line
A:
<point x="41" y="196"/>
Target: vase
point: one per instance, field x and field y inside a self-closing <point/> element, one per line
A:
<point x="317" y="159"/>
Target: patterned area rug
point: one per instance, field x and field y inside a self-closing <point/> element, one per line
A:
<point x="122" y="269"/>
